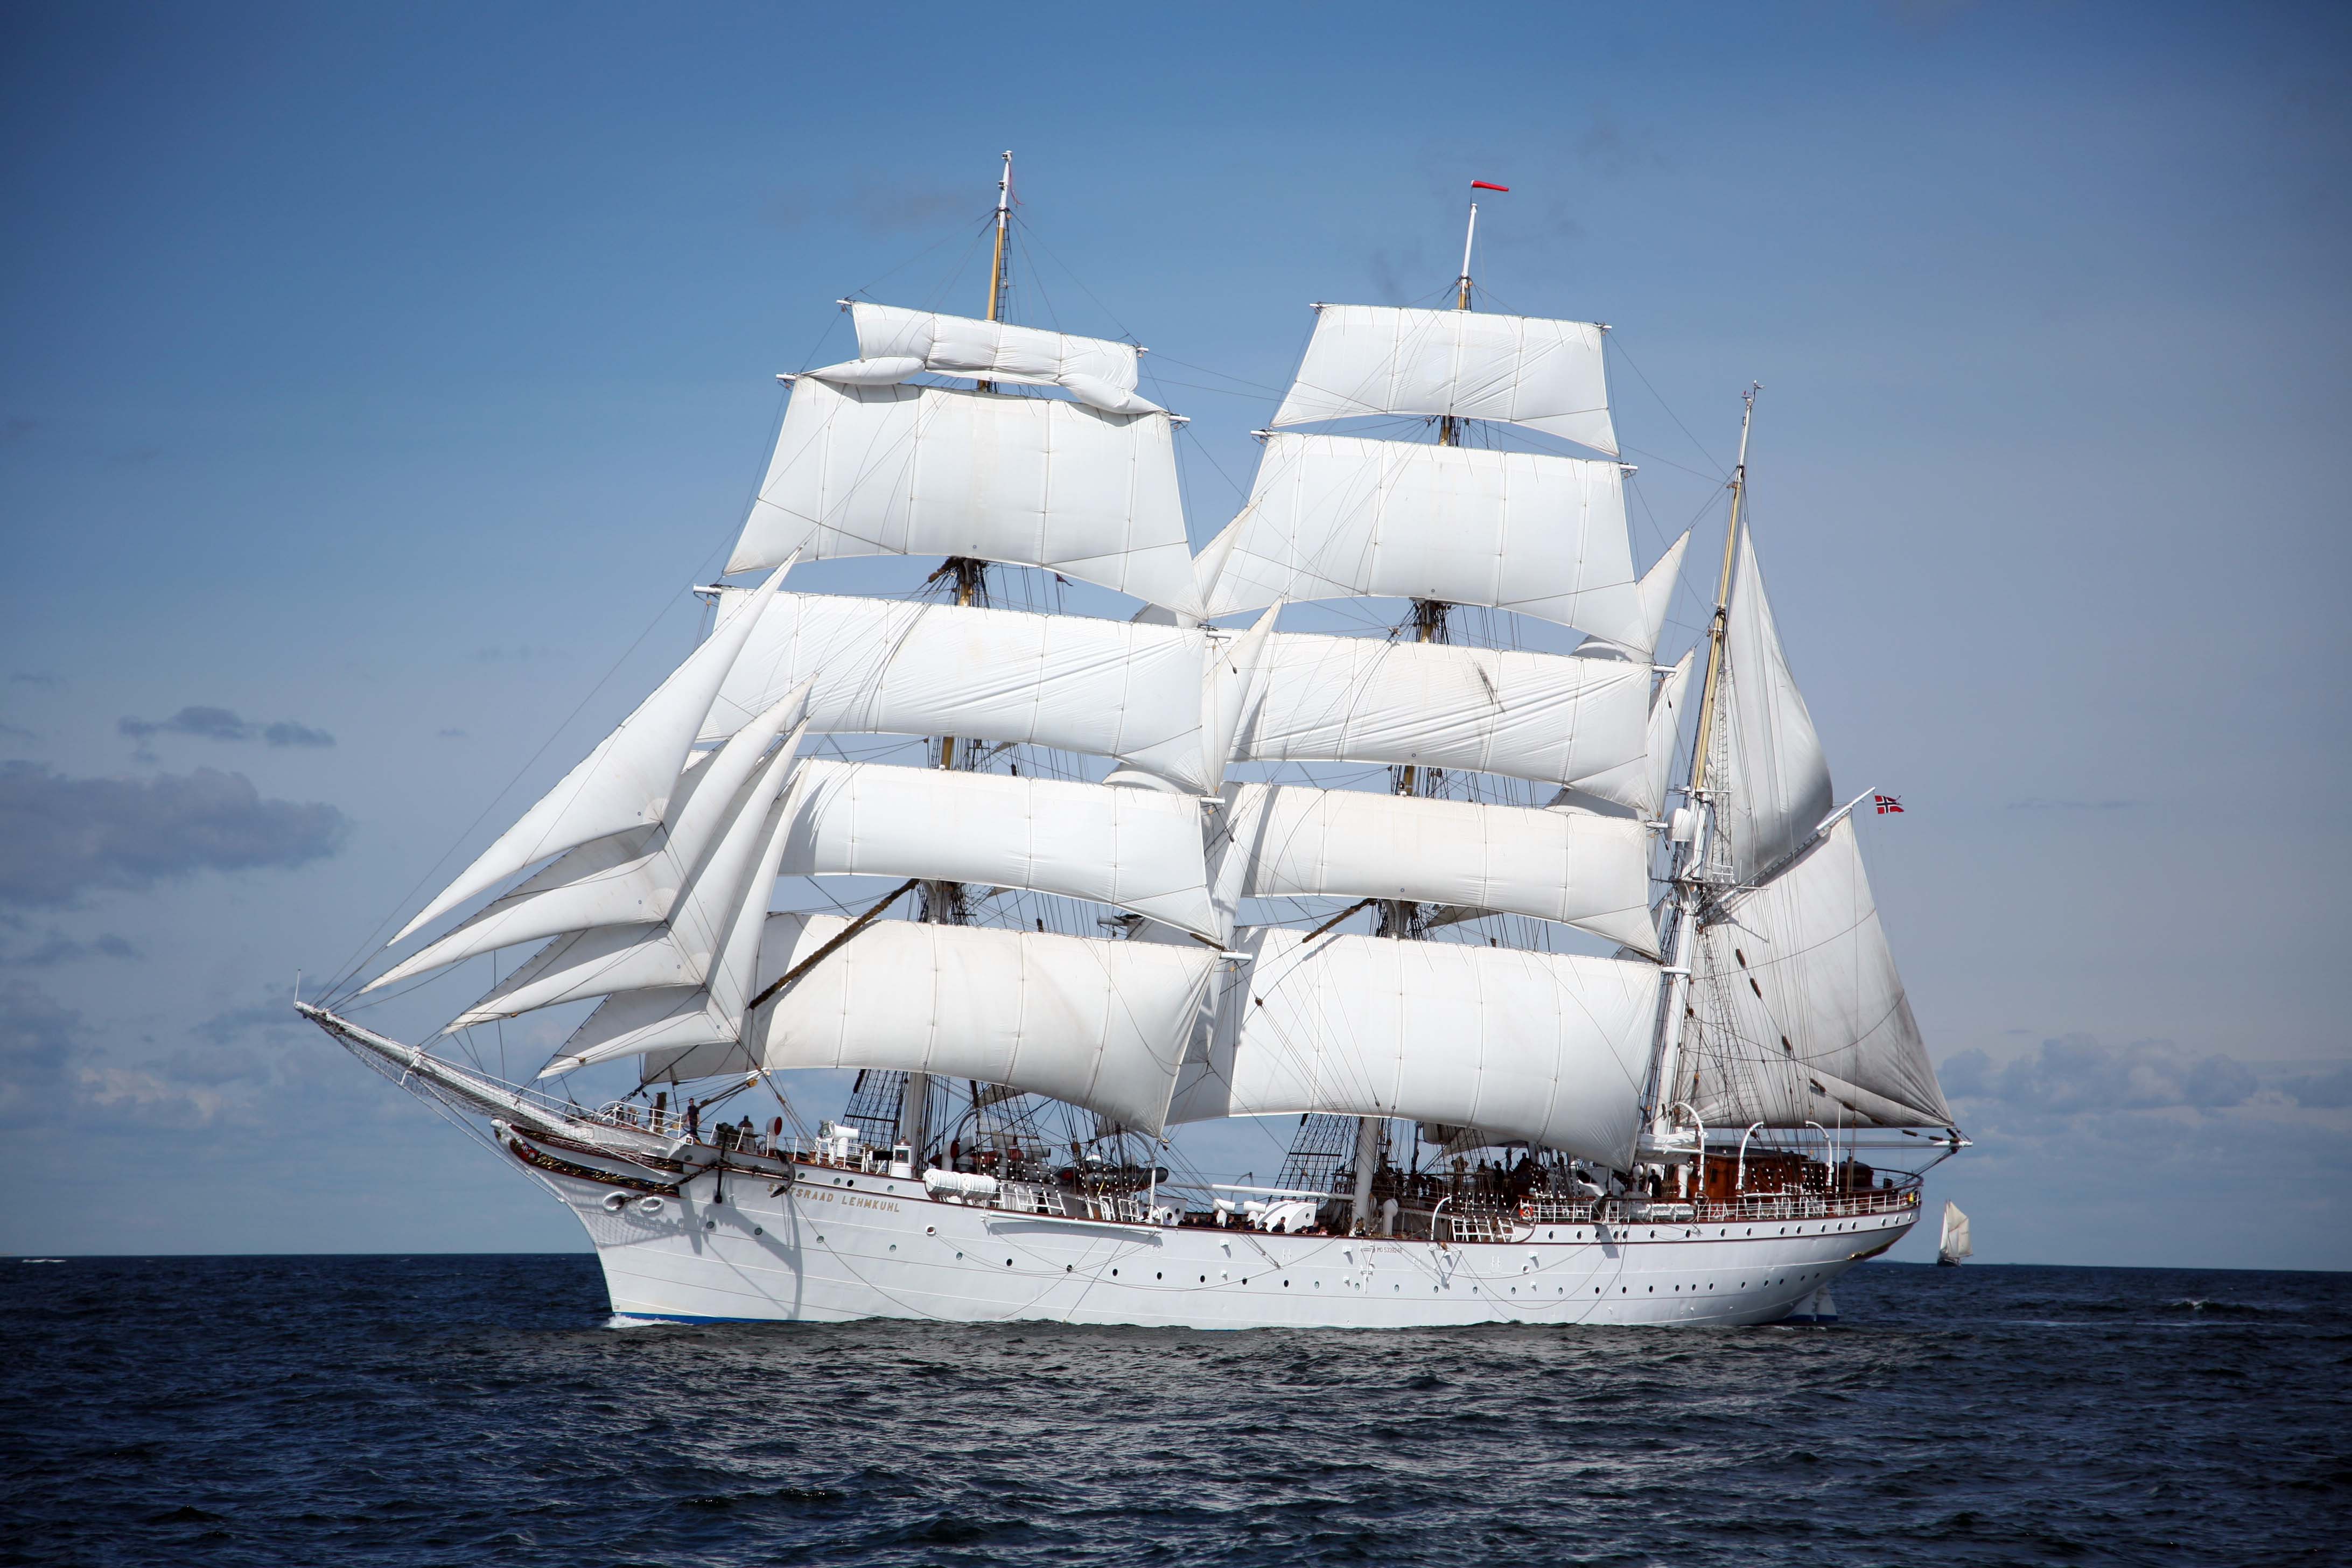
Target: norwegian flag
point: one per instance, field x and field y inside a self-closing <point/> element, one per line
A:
<point x="1887" y="803"/>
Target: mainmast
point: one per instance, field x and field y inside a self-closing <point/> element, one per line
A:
<point x="1666" y="1065"/>
<point x="1400" y="918"/>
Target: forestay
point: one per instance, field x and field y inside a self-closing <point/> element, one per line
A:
<point x="1332" y="517"/>
<point x="1098" y="1023"/>
<point x="1802" y="1015"/>
<point x="1542" y="1047"/>
<point x="1542" y="717"/>
<point x="1376" y="360"/>
<point x="627" y="781"/>
<point x="928" y="470"/>
<point x="1774" y="781"/>
<point x="894" y="343"/>
<point x="1138" y="848"/>
<point x="1295" y="841"/>
<point x="1111" y="689"/>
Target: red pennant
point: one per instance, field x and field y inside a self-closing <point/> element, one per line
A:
<point x="1484" y="185"/>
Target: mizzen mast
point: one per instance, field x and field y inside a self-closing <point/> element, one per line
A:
<point x="1666" y="1064"/>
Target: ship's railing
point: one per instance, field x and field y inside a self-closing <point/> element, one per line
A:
<point x="1746" y="1206"/>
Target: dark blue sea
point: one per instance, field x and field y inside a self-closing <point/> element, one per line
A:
<point x="475" y="1410"/>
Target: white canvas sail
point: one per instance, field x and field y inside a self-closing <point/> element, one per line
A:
<point x="1333" y="517"/>
<point x="1137" y="849"/>
<point x="1657" y="589"/>
<point x="1802" y="1016"/>
<point x="626" y="878"/>
<point x="927" y="471"/>
<point x="681" y="950"/>
<point x="627" y="781"/>
<point x="1542" y="717"/>
<point x="1293" y="841"/>
<point x="1542" y="1047"/>
<point x="1108" y="689"/>
<point x="1641" y="783"/>
<point x="894" y="343"/>
<point x="1953" y="1242"/>
<point x="1775" y="781"/>
<point x="1376" y="360"/>
<point x="1098" y="1023"/>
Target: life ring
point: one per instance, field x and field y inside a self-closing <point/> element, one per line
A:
<point x="616" y="1202"/>
<point x="649" y="1204"/>
<point x="1526" y="1208"/>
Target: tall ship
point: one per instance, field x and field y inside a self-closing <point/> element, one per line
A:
<point x="1556" y="965"/>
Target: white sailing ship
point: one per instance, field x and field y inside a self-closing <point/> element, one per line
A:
<point x="1127" y="900"/>
<point x="1953" y="1247"/>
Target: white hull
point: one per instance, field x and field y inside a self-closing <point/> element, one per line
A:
<point x="796" y="1240"/>
<point x="832" y="1246"/>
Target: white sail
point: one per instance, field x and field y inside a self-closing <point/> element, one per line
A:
<point x="1333" y="517"/>
<point x="1376" y="360"/>
<point x="1774" y="779"/>
<point x="1542" y="717"/>
<point x="627" y="781"/>
<point x="1094" y="1023"/>
<point x="1542" y="1047"/>
<point x="1642" y="784"/>
<point x="681" y="950"/>
<point x="1953" y="1242"/>
<point x="626" y="878"/>
<point x="1657" y="589"/>
<point x="1293" y="841"/>
<point x="1138" y="848"/>
<point x="894" y="343"/>
<point x="928" y="470"/>
<point x="1109" y="689"/>
<point x="1802" y="1016"/>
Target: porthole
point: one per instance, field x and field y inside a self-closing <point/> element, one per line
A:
<point x="757" y="1231"/>
<point x="710" y="1225"/>
<point x="930" y="1230"/>
<point x="1008" y="1263"/>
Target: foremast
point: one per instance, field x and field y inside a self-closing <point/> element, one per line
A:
<point x="943" y="902"/>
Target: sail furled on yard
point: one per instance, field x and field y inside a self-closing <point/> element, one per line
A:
<point x="1295" y="841"/>
<point x="895" y="344"/>
<point x="1336" y="517"/>
<point x="1774" y="781"/>
<point x="1098" y="1023"/>
<point x="933" y="471"/>
<point x="1110" y="688"/>
<point x="1547" y="1047"/>
<point x="1550" y="719"/>
<point x="1139" y="849"/>
<point x="628" y="779"/>
<point x="1802" y="1015"/>
<point x="1371" y="360"/>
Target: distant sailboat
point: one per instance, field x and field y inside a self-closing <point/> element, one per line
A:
<point x="1955" y="1245"/>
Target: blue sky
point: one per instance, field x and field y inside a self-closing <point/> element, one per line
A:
<point x="372" y="382"/>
